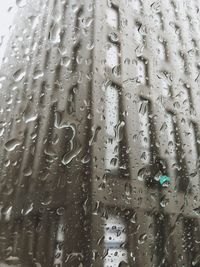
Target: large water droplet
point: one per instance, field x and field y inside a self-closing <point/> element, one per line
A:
<point x="38" y="74"/>
<point x="197" y="211"/>
<point x="114" y="37"/>
<point x="21" y="3"/>
<point x="1" y="131"/>
<point x="65" y="61"/>
<point x="12" y="144"/>
<point x="19" y="75"/>
<point x="142" y="238"/>
<point x="143" y="174"/>
<point x="68" y="157"/>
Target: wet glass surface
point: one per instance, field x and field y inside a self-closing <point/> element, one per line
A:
<point x="99" y="133"/>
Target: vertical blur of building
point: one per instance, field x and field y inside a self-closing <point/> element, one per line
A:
<point x="93" y="95"/>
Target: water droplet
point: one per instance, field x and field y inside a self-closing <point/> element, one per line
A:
<point x="19" y="75"/>
<point x="164" y="201"/>
<point x="143" y="107"/>
<point x="139" y="50"/>
<point x="65" y="61"/>
<point x="1" y="131"/>
<point x="28" y="116"/>
<point x="12" y="144"/>
<point x="197" y="211"/>
<point x="60" y="211"/>
<point x="119" y="131"/>
<point x="12" y="260"/>
<point x="143" y="174"/>
<point x="114" y="37"/>
<point x="7" y="163"/>
<point x="142" y="239"/>
<point x="123" y="264"/>
<point x="95" y="132"/>
<point x="114" y="161"/>
<point x="38" y="74"/>
<point x="55" y="34"/>
<point x="21" y="3"/>
<point x="27" y="210"/>
<point x="128" y="189"/>
<point x="85" y="158"/>
<point x="116" y="71"/>
<point x="68" y="157"/>
<point x="28" y="171"/>
<point x="90" y="46"/>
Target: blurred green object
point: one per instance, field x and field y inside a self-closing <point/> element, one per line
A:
<point x="164" y="179"/>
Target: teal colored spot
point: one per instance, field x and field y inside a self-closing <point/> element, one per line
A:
<point x="164" y="179"/>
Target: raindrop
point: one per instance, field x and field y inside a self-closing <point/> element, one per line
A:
<point x="60" y="211"/>
<point x="139" y="50"/>
<point x="12" y="260"/>
<point x="1" y="131"/>
<point x="38" y="74"/>
<point x="113" y="161"/>
<point x="143" y="174"/>
<point x="90" y="46"/>
<point x="197" y="211"/>
<point x="19" y="75"/>
<point x="30" y="117"/>
<point x="123" y="264"/>
<point x="7" y="163"/>
<point x="119" y="131"/>
<point x="68" y="157"/>
<point x="142" y="238"/>
<point x="65" y="61"/>
<point x="55" y="34"/>
<point x="28" y="171"/>
<point x="114" y="37"/>
<point x="143" y="107"/>
<point x="27" y="210"/>
<point x="12" y="144"/>
<point x="50" y="152"/>
<point x="95" y="132"/>
<point x="142" y="30"/>
<point x="128" y="189"/>
<point x="85" y="158"/>
<point x="116" y="71"/>
<point x="21" y="3"/>
<point x="75" y="8"/>
<point x="47" y="199"/>
<point x="163" y="127"/>
<point x="164" y="201"/>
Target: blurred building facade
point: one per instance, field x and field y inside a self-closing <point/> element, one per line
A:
<point x="95" y="97"/>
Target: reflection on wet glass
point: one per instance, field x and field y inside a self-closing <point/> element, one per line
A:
<point x="99" y="133"/>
